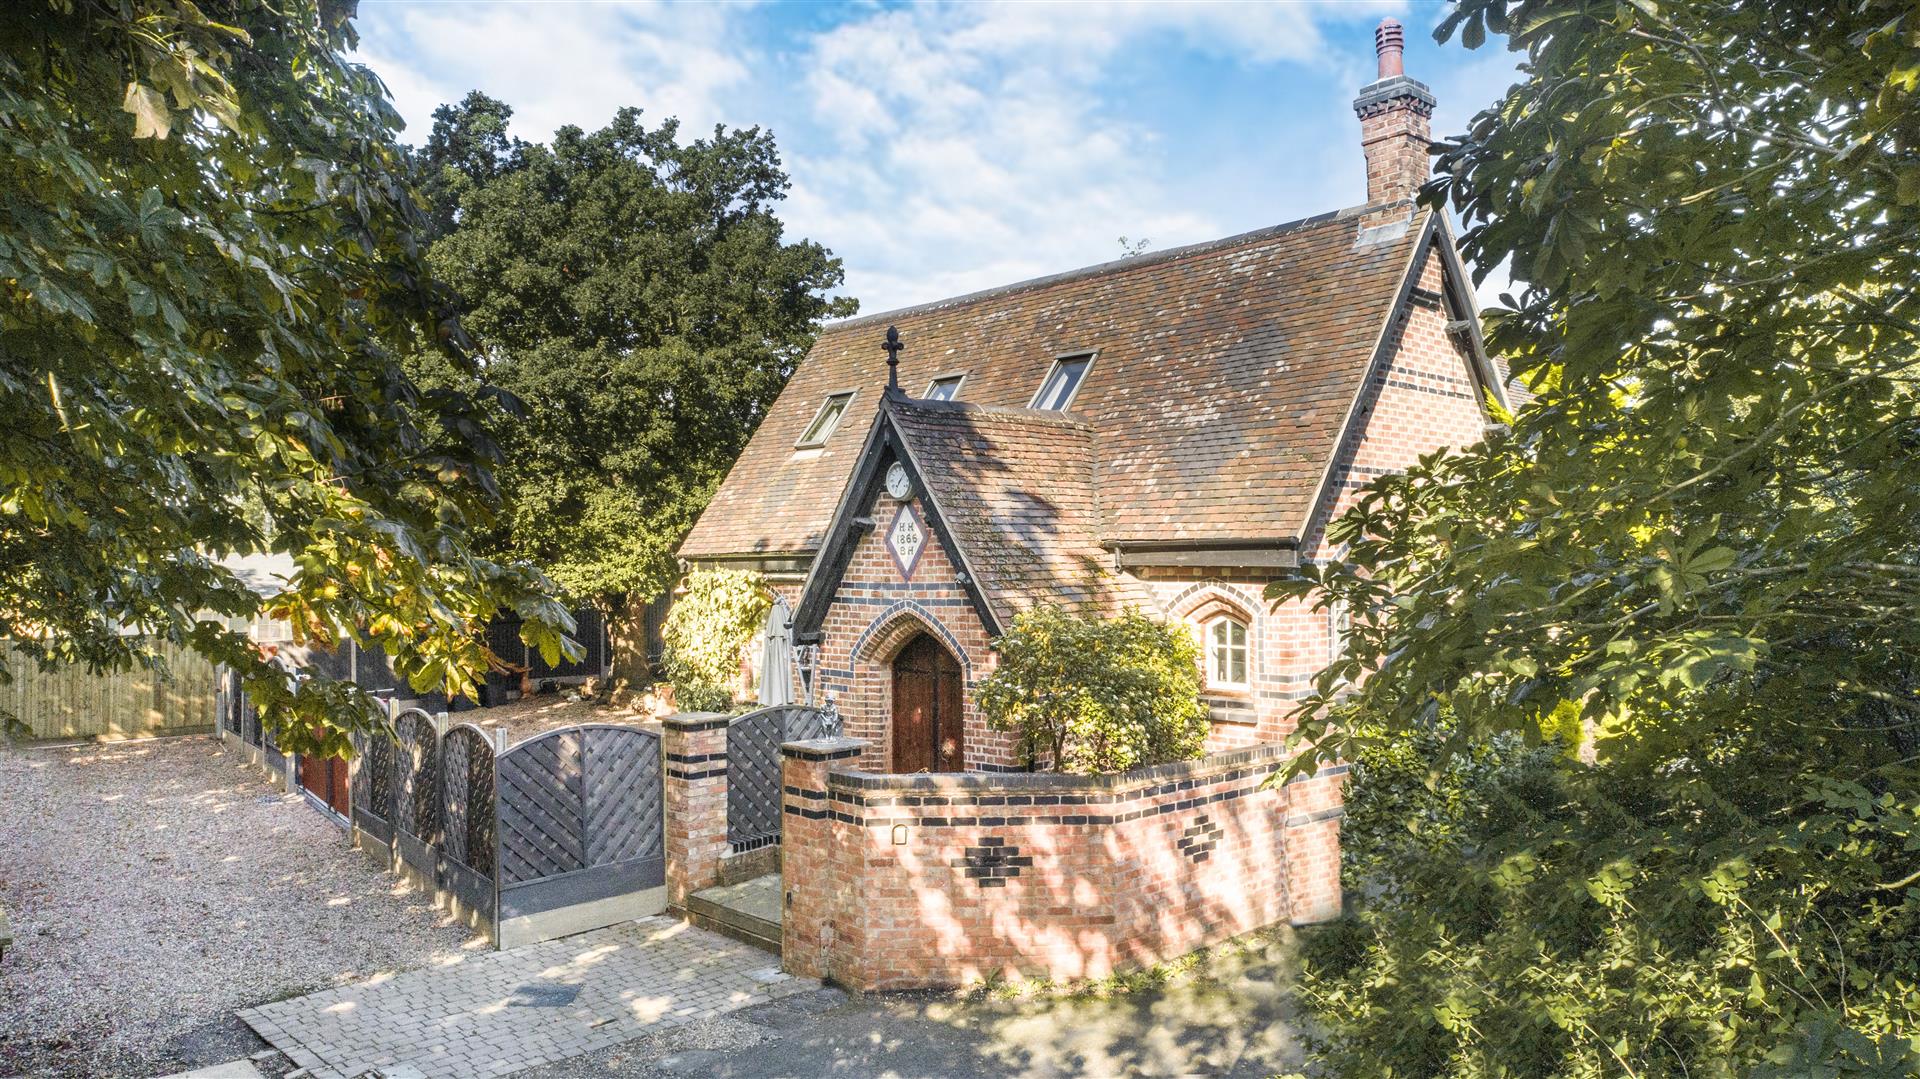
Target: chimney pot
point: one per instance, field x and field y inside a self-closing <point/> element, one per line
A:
<point x="1394" y="112"/>
<point x="1390" y="43"/>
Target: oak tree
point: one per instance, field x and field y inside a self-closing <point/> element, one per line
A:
<point x="210" y="264"/>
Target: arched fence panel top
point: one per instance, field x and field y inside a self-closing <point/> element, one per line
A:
<point x="753" y="768"/>
<point x="626" y="727"/>
<point x="416" y="776"/>
<point x="579" y="798"/>
<point x="468" y="767"/>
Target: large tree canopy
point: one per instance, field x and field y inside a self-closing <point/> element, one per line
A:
<point x="209" y="264"/>
<point x="1704" y="534"/>
<point x="636" y="291"/>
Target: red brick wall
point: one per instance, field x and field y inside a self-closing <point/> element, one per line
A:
<point x="897" y="882"/>
<point x="875" y="612"/>
<point x="695" y="794"/>
<point x="1422" y="400"/>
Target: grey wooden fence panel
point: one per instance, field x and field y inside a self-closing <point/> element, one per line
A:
<point x="623" y="795"/>
<point x="579" y="818"/>
<point x="468" y="838"/>
<point x="416" y="774"/>
<point x="470" y="834"/>
<point x="753" y="769"/>
<point x="541" y="810"/>
<point x="416" y="790"/>
<point x="373" y="784"/>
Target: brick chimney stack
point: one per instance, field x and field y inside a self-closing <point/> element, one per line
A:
<point x="1393" y="112"/>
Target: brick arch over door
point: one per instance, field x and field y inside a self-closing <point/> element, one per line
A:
<point x="869" y="713"/>
<point x="894" y="627"/>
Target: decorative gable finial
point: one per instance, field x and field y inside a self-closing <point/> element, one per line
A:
<point x="893" y="347"/>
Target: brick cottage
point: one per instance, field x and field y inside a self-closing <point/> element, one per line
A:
<point x="1171" y="432"/>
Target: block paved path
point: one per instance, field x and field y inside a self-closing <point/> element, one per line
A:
<point x="494" y="1013"/>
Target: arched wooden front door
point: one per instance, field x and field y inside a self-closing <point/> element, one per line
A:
<point x="928" y="732"/>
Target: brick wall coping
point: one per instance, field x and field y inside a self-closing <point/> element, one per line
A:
<point x="824" y="749"/>
<point x="1061" y="783"/>
<point x="693" y="722"/>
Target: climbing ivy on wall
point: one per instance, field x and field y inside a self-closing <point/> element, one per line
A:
<point x="708" y="631"/>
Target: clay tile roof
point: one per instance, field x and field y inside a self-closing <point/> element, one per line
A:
<point x="1016" y="487"/>
<point x="1223" y="374"/>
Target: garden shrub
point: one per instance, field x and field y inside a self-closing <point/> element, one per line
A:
<point x="707" y="632"/>
<point x="1541" y="920"/>
<point x="1089" y="693"/>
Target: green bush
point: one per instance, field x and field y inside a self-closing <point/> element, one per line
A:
<point x="707" y="631"/>
<point x="1541" y="920"/>
<point x="1089" y="693"/>
<point x="1408" y="796"/>
<point x="702" y="697"/>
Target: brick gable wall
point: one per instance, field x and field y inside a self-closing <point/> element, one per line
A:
<point x="876" y="610"/>
<point x="1422" y="400"/>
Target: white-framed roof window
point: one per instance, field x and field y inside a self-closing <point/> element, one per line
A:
<point x="825" y="421"/>
<point x="943" y="388"/>
<point x="1226" y="644"/>
<point x="1063" y="381"/>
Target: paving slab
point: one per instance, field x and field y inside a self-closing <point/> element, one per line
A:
<point x="232" y="1069"/>
<point x="496" y="1013"/>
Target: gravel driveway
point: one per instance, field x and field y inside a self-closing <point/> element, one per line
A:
<point x="157" y="886"/>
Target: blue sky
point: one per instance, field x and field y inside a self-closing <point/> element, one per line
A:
<point x="941" y="148"/>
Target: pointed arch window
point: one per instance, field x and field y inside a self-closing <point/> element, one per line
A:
<point x="1226" y="645"/>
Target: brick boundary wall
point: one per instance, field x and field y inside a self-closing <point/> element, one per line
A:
<point x="932" y="881"/>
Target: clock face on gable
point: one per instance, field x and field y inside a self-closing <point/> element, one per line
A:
<point x="897" y="483"/>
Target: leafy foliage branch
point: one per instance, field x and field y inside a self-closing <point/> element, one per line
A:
<point x="708" y="630"/>
<point x="209" y="264"/>
<point x="1704" y="533"/>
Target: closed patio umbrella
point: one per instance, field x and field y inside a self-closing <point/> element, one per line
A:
<point x="776" y="662"/>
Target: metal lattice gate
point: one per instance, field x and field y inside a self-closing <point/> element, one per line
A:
<point x="753" y="769"/>
<point x="579" y="823"/>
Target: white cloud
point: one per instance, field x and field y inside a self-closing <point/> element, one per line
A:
<point x="972" y="146"/>
<point x="558" y="64"/>
<point x="936" y="148"/>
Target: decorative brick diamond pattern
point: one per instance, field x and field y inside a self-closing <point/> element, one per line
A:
<point x="1199" y="838"/>
<point x="753" y="769"/>
<point x="993" y="862"/>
